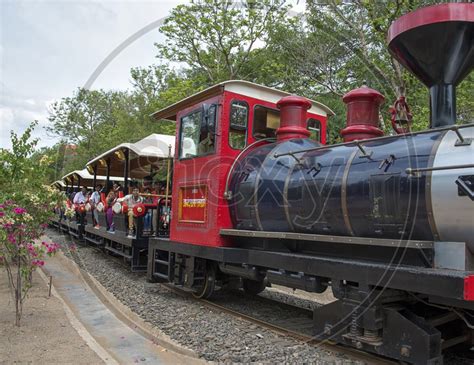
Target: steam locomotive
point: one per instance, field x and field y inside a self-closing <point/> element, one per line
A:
<point x="386" y="222"/>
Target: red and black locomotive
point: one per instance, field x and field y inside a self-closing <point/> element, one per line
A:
<point x="385" y="221"/>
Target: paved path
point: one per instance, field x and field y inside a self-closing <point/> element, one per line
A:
<point x="120" y="341"/>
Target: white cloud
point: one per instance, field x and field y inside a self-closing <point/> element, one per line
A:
<point x="49" y="48"/>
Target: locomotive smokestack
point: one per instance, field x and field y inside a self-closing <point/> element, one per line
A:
<point x="293" y="118"/>
<point x="436" y="44"/>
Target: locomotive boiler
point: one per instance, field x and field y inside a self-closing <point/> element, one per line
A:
<point x="414" y="186"/>
<point x="408" y="186"/>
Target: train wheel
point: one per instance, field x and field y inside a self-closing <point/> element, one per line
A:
<point x="206" y="289"/>
<point x="253" y="287"/>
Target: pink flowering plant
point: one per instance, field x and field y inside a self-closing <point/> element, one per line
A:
<point x="26" y="205"/>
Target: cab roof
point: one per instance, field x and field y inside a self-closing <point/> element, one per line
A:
<point x="241" y="87"/>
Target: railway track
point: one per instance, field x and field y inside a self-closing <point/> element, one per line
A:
<point x="299" y="328"/>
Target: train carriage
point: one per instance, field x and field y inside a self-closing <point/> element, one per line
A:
<point x="133" y="162"/>
<point x="73" y="182"/>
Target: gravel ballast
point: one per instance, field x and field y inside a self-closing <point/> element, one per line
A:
<point x="213" y="335"/>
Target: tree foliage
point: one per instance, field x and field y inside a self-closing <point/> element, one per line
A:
<point x="322" y="54"/>
<point x="221" y="38"/>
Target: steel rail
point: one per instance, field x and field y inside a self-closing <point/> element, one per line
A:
<point x="329" y="345"/>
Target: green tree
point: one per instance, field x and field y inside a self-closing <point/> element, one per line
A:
<point x="220" y="38"/>
<point x="339" y="45"/>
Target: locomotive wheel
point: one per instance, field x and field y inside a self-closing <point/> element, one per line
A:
<point x="206" y="289"/>
<point x="253" y="287"/>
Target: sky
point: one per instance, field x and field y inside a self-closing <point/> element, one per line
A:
<point x="50" y="48"/>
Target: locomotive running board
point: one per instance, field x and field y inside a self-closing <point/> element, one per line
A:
<point x="332" y="239"/>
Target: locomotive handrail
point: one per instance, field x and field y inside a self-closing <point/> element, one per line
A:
<point x="454" y="128"/>
<point x="227" y="194"/>
<point x="411" y="171"/>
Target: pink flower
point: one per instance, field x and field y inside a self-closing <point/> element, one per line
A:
<point x="11" y="238"/>
<point x="52" y="247"/>
<point x="2" y="206"/>
<point x="2" y="214"/>
<point x="19" y="210"/>
<point x="37" y="262"/>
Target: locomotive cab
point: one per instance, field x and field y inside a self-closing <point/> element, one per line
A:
<point x="213" y="127"/>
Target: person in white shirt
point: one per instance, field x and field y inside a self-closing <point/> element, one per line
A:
<point x="131" y="200"/>
<point x="80" y="197"/>
<point x="94" y="200"/>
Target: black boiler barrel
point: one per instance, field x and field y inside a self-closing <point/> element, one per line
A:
<point x="338" y="190"/>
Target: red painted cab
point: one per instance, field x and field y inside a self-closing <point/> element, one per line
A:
<point x="212" y="128"/>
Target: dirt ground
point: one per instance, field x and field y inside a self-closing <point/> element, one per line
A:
<point x="46" y="335"/>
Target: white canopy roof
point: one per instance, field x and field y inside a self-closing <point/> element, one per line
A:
<point x="86" y="178"/>
<point x="146" y="154"/>
<point x="155" y="145"/>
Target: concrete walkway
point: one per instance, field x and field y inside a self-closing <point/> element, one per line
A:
<point x="121" y="342"/>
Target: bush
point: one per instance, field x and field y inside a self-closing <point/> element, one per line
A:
<point x="26" y="205"/>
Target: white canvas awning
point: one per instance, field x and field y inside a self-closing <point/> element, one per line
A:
<point x="145" y="156"/>
<point x="87" y="179"/>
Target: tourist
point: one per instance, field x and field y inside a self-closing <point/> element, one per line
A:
<point x="94" y="200"/>
<point x="81" y="196"/>
<point x="110" y="200"/>
<point x="79" y="199"/>
<point x="131" y="200"/>
<point x="116" y="187"/>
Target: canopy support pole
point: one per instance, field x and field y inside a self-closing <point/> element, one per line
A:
<point x="126" y="170"/>
<point x="107" y="179"/>
<point x="95" y="176"/>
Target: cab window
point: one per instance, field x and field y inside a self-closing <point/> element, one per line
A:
<point x="314" y="126"/>
<point x="239" y="114"/>
<point x="195" y="137"/>
<point x="265" y="122"/>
